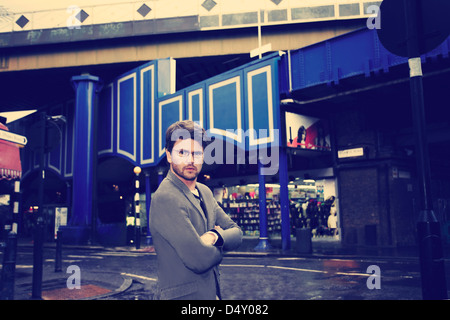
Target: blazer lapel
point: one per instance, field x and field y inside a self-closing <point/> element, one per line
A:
<point x="172" y="177"/>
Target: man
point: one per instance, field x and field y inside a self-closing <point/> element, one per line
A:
<point x="189" y="229"/>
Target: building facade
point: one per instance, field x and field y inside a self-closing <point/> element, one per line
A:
<point x="350" y="95"/>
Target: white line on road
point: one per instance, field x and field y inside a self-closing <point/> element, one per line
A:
<point x="83" y="257"/>
<point x="138" y="276"/>
<point x="125" y="254"/>
<point x="243" y="265"/>
<point x="296" y="269"/>
<point x="353" y="274"/>
<point x="65" y="260"/>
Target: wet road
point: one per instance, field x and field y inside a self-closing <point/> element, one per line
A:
<point x="243" y="277"/>
<point x="319" y="279"/>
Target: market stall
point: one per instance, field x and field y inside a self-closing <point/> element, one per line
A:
<point x="10" y="166"/>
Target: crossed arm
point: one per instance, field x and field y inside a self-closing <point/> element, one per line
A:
<point x="198" y="253"/>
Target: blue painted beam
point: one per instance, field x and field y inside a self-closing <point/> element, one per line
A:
<point x="357" y="53"/>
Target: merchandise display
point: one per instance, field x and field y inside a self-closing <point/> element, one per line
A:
<point x="311" y="204"/>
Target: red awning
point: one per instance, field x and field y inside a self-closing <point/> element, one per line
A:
<point x="10" y="166"/>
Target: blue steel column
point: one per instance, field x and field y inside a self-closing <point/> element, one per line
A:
<point x="284" y="201"/>
<point x="85" y="87"/>
<point x="263" y="244"/>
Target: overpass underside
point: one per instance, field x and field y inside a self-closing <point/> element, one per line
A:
<point x="200" y="55"/>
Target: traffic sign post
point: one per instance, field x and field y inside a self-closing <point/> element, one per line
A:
<point x="13" y="137"/>
<point x="410" y="28"/>
<point x="38" y="241"/>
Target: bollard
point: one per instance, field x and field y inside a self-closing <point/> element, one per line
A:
<point x="303" y="237"/>
<point x="9" y="268"/>
<point x="434" y="284"/>
<point x="58" y="257"/>
<point x="38" y="248"/>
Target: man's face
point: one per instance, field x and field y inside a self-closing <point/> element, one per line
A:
<point x="186" y="159"/>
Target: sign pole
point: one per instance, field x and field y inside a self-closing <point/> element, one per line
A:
<point x="428" y="228"/>
<point x="38" y="245"/>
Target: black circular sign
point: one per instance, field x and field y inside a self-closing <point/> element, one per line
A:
<point x="432" y="23"/>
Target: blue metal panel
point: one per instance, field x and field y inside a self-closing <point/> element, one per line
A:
<point x="128" y="112"/>
<point x="261" y="104"/>
<point x="69" y="139"/>
<point x="105" y="120"/>
<point x="224" y="98"/>
<point x="147" y="111"/>
<point x="196" y="104"/>
<point x="228" y="105"/>
<point x="127" y="116"/>
<point x="134" y="111"/>
<point x="170" y="110"/>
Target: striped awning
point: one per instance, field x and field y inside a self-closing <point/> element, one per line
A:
<point x="10" y="165"/>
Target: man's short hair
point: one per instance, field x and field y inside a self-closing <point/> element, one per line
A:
<point x="184" y="130"/>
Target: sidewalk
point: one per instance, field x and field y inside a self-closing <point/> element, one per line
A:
<point x="328" y="247"/>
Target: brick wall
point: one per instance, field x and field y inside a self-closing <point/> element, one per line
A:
<point x="376" y="206"/>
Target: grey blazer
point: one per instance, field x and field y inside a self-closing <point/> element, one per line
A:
<point x="188" y="269"/>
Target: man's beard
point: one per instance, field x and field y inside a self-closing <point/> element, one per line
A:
<point x="179" y="172"/>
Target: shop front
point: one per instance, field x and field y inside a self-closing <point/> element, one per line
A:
<point x="312" y="195"/>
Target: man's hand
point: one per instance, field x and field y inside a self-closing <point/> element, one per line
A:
<point x="208" y="238"/>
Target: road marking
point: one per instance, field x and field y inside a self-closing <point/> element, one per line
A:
<point x="138" y="276"/>
<point x="297" y="269"/>
<point x="246" y="253"/>
<point x="83" y="257"/>
<point x="274" y="267"/>
<point x="64" y="260"/>
<point x="243" y="265"/>
<point x="353" y="274"/>
<point x="20" y="266"/>
<point x="125" y="254"/>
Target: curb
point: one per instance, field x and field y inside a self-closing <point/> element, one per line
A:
<point x="126" y="284"/>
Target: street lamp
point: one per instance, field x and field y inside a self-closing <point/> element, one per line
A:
<point x="137" y="221"/>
